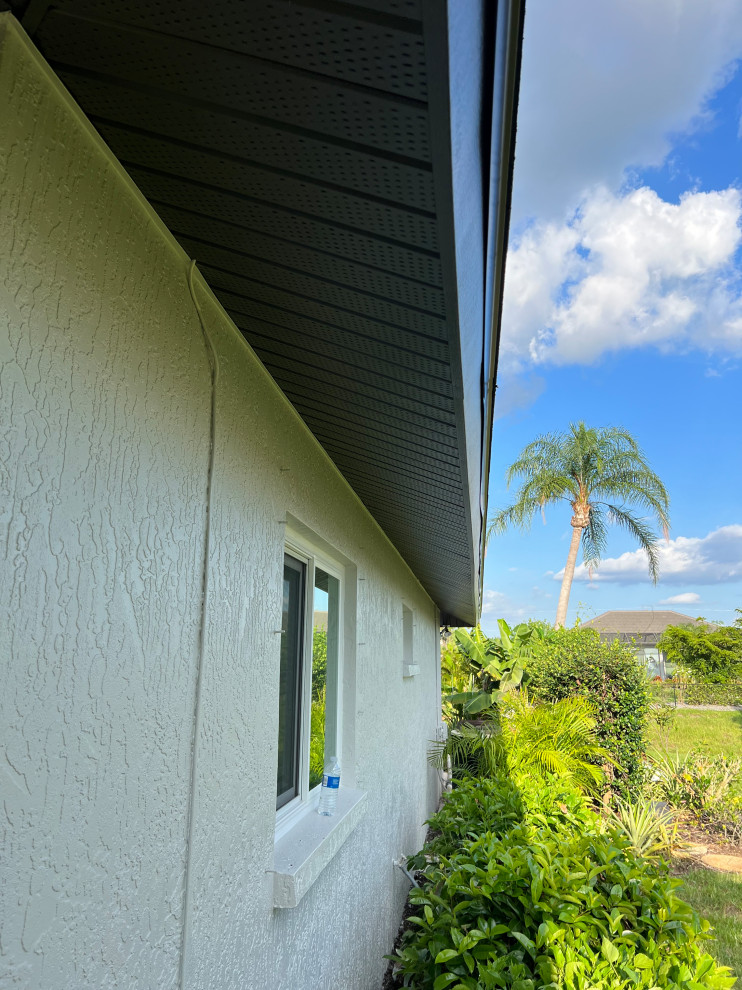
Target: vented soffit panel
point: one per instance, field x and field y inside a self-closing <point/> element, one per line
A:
<point x="315" y="159"/>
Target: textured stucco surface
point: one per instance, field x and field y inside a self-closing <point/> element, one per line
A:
<point x="104" y="405"/>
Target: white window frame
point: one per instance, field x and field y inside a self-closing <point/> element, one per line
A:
<point x="313" y="557"/>
<point x="410" y="667"/>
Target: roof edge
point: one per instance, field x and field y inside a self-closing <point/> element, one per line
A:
<point x="508" y="61"/>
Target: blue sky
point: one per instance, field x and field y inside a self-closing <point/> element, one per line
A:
<point x="624" y="291"/>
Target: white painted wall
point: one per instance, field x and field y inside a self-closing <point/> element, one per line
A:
<point x="104" y="405"/>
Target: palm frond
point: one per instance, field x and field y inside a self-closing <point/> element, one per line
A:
<point x="641" y="532"/>
<point x="547" y="488"/>
<point x="594" y="538"/>
<point x="556" y="738"/>
<point x="543" y="453"/>
<point x="641" y="487"/>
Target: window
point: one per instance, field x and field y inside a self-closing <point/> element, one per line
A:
<point x="317" y="684"/>
<point x="310" y="675"/>
<point x="409" y="667"/>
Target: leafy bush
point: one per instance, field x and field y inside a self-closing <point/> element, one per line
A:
<point x="576" y="662"/>
<point x="552" y="738"/>
<point x="497" y="806"/>
<point x="520" y="737"/>
<point x="705" y="786"/>
<point x="695" y="782"/>
<point x="713" y="655"/>
<point x="549" y="903"/>
<point x="702" y="693"/>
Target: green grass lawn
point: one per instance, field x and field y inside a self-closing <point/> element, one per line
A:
<point x="710" y="733"/>
<point x="718" y="897"/>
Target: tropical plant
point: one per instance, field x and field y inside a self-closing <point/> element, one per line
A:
<point x="489" y="666"/>
<point x="577" y="662"/>
<point x="694" y="782"/>
<point x="522" y="739"/>
<point x="646" y="824"/>
<point x="559" y="738"/>
<point x="600" y="473"/>
<point x="725" y="819"/>
<point x="714" y="655"/>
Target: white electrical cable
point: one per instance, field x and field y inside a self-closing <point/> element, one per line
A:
<point x="214" y="378"/>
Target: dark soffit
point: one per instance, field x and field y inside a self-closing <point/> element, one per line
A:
<point x="309" y="156"/>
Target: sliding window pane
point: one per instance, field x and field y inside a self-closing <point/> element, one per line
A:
<point x="289" y="691"/>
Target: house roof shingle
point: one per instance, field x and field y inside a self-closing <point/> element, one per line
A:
<point x="639" y="622"/>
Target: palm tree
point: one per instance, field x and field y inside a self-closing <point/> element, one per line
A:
<point x="599" y="472"/>
<point x="517" y="738"/>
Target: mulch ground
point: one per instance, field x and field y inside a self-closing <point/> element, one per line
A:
<point x="390" y="982"/>
<point x="691" y="832"/>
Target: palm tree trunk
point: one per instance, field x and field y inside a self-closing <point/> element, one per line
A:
<point x="569" y="573"/>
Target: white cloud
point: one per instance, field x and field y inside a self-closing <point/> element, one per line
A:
<point x="605" y="86"/>
<point x="516" y="392"/>
<point x="626" y="271"/>
<point x="686" y="598"/>
<point x="712" y="559"/>
<point x="533" y="603"/>
<point x="493" y="601"/>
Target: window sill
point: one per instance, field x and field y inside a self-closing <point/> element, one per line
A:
<point x="306" y="849"/>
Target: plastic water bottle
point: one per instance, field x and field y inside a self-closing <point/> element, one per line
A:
<point x="328" y="796"/>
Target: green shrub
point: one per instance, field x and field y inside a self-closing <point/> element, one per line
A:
<point x="695" y="782"/>
<point x="558" y="737"/>
<point x="576" y="662"/>
<point x="713" y="655"/>
<point x="319" y="662"/>
<point x="549" y="902"/>
<point x="700" y="693"/>
<point x="497" y="806"/>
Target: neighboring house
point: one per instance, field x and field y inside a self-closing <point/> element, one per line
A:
<point x="193" y="462"/>
<point x="643" y="630"/>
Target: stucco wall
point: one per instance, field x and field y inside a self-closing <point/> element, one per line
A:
<point x="104" y="448"/>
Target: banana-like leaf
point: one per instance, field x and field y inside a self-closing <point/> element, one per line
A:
<point x="482" y="700"/>
<point x="472" y="702"/>
<point x="458" y="698"/>
<point x="506" y="635"/>
<point x="512" y="679"/>
<point x="494" y="669"/>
